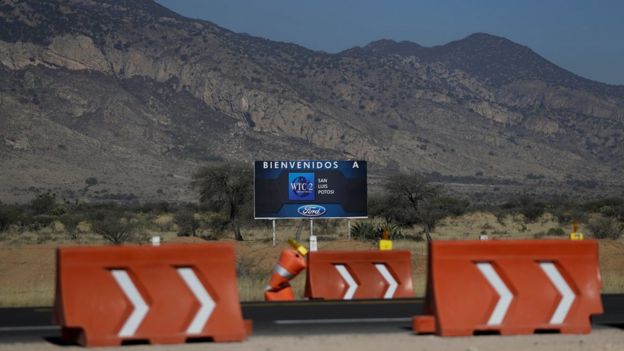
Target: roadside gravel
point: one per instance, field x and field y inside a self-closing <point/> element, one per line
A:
<point x="604" y="339"/>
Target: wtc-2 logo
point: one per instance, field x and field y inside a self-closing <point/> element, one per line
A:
<point x="301" y="186"/>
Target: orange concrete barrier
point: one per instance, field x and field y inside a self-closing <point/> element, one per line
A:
<point x="162" y="295"/>
<point x="289" y="265"/>
<point x="511" y="287"/>
<point x="346" y="275"/>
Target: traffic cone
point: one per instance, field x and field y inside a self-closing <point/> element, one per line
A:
<point x="290" y="264"/>
<point x="283" y="293"/>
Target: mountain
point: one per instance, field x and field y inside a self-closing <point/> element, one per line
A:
<point x="139" y="97"/>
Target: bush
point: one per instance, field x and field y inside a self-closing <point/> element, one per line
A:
<point x="187" y="224"/>
<point x="556" y="231"/>
<point x="532" y="210"/>
<point x="527" y="206"/>
<point x="38" y="222"/>
<point x="9" y="215"/>
<point x="43" y="204"/>
<point x="113" y="229"/>
<point x="367" y="231"/>
<point x="157" y="207"/>
<point x="605" y="228"/>
<point x="363" y="231"/>
<point x="394" y="231"/>
<point x="71" y="221"/>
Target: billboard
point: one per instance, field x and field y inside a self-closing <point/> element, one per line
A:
<point x="310" y="189"/>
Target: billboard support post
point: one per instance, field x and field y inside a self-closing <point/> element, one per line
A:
<point x="274" y="238"/>
<point x="349" y="228"/>
<point x="311" y="227"/>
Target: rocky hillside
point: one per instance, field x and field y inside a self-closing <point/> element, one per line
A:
<point x="138" y="97"/>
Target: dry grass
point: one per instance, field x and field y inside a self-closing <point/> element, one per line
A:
<point x="27" y="259"/>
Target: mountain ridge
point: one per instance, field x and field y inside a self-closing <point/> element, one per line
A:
<point x="189" y="92"/>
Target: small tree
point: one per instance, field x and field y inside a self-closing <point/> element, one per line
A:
<point x="113" y="229"/>
<point x="187" y="224"/>
<point x="227" y="188"/>
<point x="606" y="227"/>
<point x="109" y="222"/>
<point x="8" y="216"/>
<point x="91" y="181"/>
<point x="43" y="204"/>
<point x="413" y="199"/>
<point x="71" y="221"/>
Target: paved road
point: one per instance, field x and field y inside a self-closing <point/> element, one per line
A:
<point x="291" y="318"/>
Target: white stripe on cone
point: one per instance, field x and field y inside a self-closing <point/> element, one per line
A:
<point x="207" y="303"/>
<point x="140" y="307"/>
<point x="505" y="295"/>
<point x="282" y="271"/>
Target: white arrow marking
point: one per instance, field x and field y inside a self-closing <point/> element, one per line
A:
<point x="207" y="303"/>
<point x="392" y="283"/>
<point x="501" y="289"/>
<point x="344" y="273"/>
<point x="567" y="295"/>
<point x="140" y="307"/>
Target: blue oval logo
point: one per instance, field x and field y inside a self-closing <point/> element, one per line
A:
<point x="311" y="210"/>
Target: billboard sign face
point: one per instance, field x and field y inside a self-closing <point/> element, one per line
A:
<point x="310" y="189"/>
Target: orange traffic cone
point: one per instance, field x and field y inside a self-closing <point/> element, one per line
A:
<point x="283" y="293"/>
<point x="290" y="264"/>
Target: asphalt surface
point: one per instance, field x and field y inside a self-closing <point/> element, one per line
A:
<point x="290" y="318"/>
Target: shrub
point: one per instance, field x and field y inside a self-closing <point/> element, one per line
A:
<point x="394" y="231"/>
<point x="532" y="210"/>
<point x="605" y="228"/>
<point x="556" y="231"/>
<point x="527" y="206"/>
<point x="364" y="231"/>
<point x="113" y="229"/>
<point x="367" y="231"/>
<point x="91" y="181"/>
<point x="38" y="222"/>
<point x="187" y="224"/>
<point x="71" y="221"/>
<point x="43" y="203"/>
<point x="8" y="215"/>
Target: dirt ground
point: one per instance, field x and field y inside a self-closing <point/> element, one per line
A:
<point x="598" y="340"/>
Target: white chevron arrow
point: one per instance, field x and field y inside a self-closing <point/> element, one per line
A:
<point x="344" y="273"/>
<point x="392" y="283"/>
<point x="567" y="295"/>
<point x="207" y="303"/>
<point x="497" y="316"/>
<point x="140" y="307"/>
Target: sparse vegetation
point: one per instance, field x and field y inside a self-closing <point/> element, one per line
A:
<point x="113" y="229"/>
<point x="40" y="226"/>
<point x="187" y="223"/>
<point x="410" y="199"/>
<point x="364" y="231"/>
<point x="603" y="227"/>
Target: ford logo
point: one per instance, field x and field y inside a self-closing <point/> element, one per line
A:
<point x="311" y="210"/>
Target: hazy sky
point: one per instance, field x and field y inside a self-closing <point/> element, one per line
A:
<point x="585" y="37"/>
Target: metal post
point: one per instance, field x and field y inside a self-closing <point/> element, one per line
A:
<point x="274" y="238"/>
<point x="311" y="227"/>
<point x="349" y="228"/>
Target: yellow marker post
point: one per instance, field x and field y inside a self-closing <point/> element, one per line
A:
<point x="576" y="235"/>
<point x="385" y="244"/>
